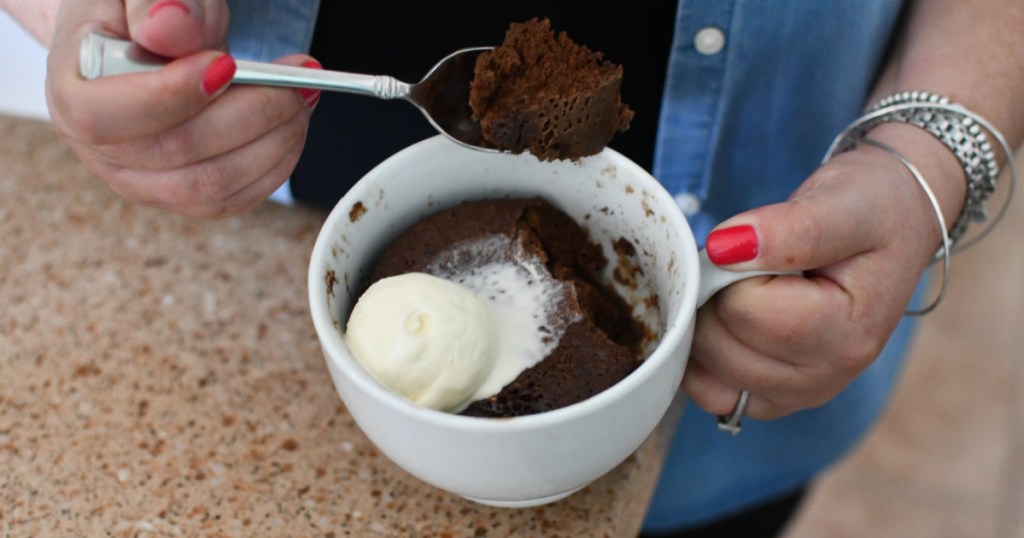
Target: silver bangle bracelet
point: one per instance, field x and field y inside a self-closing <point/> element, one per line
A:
<point x="944" y="250"/>
<point x="958" y="129"/>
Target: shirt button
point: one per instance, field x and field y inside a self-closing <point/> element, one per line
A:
<point x="709" y="40"/>
<point x="689" y="203"/>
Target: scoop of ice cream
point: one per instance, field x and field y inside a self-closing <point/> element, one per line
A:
<point x="424" y="337"/>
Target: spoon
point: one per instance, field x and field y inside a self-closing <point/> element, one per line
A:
<point x="442" y="95"/>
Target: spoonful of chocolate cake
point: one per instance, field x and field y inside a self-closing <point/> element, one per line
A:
<point x="536" y="92"/>
<point x="543" y="93"/>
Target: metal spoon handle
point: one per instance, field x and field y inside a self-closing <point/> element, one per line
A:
<point x="267" y="74"/>
<point x="104" y="56"/>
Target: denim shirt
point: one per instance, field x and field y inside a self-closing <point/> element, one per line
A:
<point x="746" y="117"/>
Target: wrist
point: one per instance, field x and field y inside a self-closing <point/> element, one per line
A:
<point x="936" y="162"/>
<point x="968" y="136"/>
<point x="901" y="203"/>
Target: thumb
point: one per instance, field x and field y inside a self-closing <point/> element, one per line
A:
<point x="819" y="227"/>
<point x="176" y="28"/>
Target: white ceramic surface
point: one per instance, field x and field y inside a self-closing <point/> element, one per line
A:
<point x="527" y="460"/>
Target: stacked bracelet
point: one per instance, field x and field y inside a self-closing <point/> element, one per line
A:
<point x="964" y="138"/>
<point x="960" y="130"/>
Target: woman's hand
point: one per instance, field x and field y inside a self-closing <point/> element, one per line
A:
<point x="863" y="231"/>
<point x="178" y="138"/>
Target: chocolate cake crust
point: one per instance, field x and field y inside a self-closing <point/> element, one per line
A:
<point x="545" y="94"/>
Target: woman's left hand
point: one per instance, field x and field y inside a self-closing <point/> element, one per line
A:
<point x="862" y="231"/>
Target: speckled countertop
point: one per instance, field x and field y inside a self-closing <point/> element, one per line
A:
<point x="160" y="376"/>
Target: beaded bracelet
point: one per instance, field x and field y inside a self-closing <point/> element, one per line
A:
<point x="958" y="129"/>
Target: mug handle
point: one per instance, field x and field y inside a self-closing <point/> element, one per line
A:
<point x="713" y="278"/>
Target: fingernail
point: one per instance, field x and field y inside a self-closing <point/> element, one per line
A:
<point x="732" y="245"/>
<point x="316" y="99"/>
<point x="169" y="3"/>
<point x="309" y="95"/>
<point x="219" y="74"/>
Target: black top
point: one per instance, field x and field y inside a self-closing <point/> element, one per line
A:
<point x="350" y="134"/>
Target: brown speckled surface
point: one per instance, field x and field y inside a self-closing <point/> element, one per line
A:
<point x="160" y="376"/>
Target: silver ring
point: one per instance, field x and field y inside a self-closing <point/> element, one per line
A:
<point x="731" y="423"/>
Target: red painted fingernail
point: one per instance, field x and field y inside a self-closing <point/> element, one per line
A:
<point x="219" y="74"/>
<point x="309" y="95"/>
<point x="169" y="3"/>
<point x="732" y="245"/>
<point x="312" y="103"/>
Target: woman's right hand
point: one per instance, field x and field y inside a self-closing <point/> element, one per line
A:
<point x="178" y="138"/>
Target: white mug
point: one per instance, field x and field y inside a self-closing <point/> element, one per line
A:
<point x="535" y="459"/>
